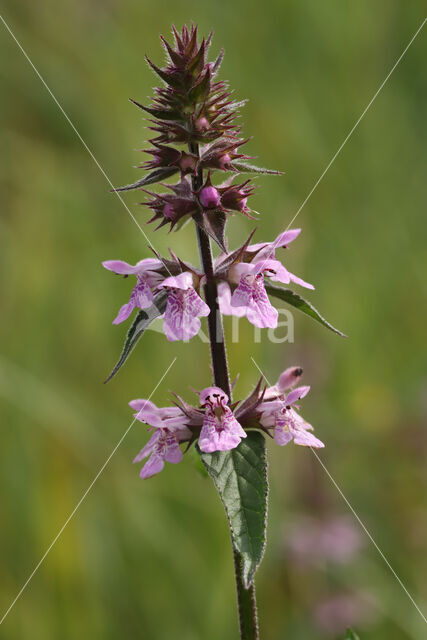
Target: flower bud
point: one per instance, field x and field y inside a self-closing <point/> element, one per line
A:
<point x="187" y="162"/>
<point x="289" y="378"/>
<point x="209" y="197"/>
<point x="224" y="161"/>
<point x="202" y="124"/>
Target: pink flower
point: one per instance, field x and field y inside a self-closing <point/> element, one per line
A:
<point x="268" y="249"/>
<point x="147" y="277"/>
<point x="286" y="422"/>
<point x="183" y="309"/>
<point x="220" y="431"/>
<point x="170" y="430"/>
<point x="250" y="293"/>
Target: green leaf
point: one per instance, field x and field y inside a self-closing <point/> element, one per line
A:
<point x="297" y="301"/>
<point x="154" y="176"/>
<point x="245" y="167"/>
<point x="240" y="476"/>
<point x="350" y="635"/>
<point x="144" y="318"/>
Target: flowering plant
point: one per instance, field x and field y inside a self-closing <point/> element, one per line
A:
<point x="195" y="140"/>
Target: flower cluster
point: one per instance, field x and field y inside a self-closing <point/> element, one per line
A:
<point x="195" y="139"/>
<point x="241" y="290"/>
<point x="218" y="427"/>
<point x="184" y="305"/>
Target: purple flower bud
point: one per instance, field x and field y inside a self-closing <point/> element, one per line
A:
<point x="209" y="197"/>
<point x="224" y="161"/>
<point x="289" y="378"/>
<point x="202" y="124"/>
<point x="187" y="163"/>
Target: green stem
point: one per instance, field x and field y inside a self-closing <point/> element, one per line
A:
<point x="246" y="600"/>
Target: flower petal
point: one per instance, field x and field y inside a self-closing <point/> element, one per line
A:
<point x="154" y="465"/>
<point x="149" y="447"/>
<point x="267" y="249"/>
<point x="140" y="403"/>
<point x="181" y="320"/>
<point x="152" y="418"/>
<point x="124" y="312"/>
<point x="281" y="436"/>
<point x="224" y="301"/>
<point x="173" y="453"/>
<point x="307" y="439"/>
<point x="220" y="435"/>
<point x="142" y="296"/>
<point x="300" y="281"/>
<point x="297" y="394"/>
<point x="182" y="281"/>
<point x="261" y="312"/>
<point x="120" y="267"/>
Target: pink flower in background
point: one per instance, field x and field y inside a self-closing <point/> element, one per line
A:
<point x="286" y="422"/>
<point x="147" y="277"/>
<point x="342" y="610"/>
<point x="221" y="431"/>
<point x="170" y="430"/>
<point x="316" y="540"/>
<point x="183" y="309"/>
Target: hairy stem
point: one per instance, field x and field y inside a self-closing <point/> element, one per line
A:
<point x="246" y="600"/>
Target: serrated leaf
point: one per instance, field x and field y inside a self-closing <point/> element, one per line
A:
<point x="155" y="176"/>
<point x="350" y="635"/>
<point x="240" y="475"/>
<point x="297" y="301"/>
<point x="143" y="319"/>
<point x="245" y="167"/>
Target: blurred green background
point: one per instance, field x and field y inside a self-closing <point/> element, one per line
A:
<point x="152" y="559"/>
